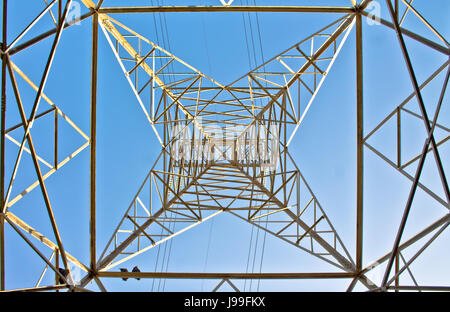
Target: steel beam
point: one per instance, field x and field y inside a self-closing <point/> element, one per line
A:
<point x="255" y="8"/>
<point x="359" y="144"/>
<point x="93" y="144"/>
<point x="2" y="146"/>
<point x="184" y="275"/>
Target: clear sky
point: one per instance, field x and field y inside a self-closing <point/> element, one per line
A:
<point x="324" y="148"/>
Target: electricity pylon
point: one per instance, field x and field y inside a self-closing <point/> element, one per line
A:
<point x="224" y="148"/>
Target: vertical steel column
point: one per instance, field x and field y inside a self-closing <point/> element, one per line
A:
<point x="57" y="268"/>
<point x="397" y="268"/>
<point x="399" y="138"/>
<point x="359" y="144"/>
<point x="93" y="142"/>
<point x="2" y="156"/>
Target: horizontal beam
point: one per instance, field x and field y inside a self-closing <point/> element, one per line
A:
<point x="421" y="288"/>
<point x="181" y="275"/>
<point x="256" y="8"/>
<point x="36" y="289"/>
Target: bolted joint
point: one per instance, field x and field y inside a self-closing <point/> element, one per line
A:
<point x="92" y="273"/>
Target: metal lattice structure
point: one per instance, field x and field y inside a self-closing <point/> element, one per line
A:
<point x="233" y="172"/>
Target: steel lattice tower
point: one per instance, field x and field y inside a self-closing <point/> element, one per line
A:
<point x="224" y="148"/>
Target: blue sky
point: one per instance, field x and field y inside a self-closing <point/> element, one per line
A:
<point x="324" y="147"/>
